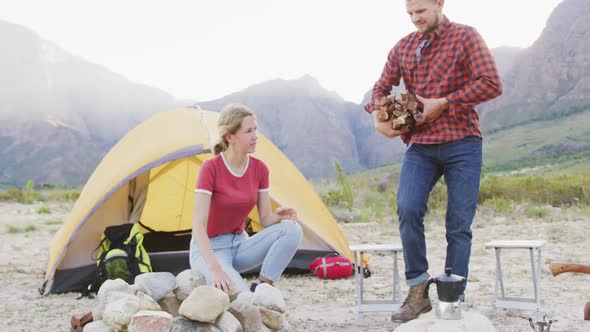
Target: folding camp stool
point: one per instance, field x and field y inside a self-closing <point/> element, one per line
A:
<point x="511" y="302"/>
<point x="362" y="304"/>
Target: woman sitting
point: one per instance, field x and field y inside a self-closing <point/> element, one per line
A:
<point x="228" y="187"/>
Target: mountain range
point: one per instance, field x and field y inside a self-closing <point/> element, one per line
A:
<point x="59" y="114"/>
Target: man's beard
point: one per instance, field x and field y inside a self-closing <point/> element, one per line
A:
<point x="432" y="27"/>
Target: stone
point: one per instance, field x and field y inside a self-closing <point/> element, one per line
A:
<point x="269" y="297"/>
<point x="170" y="304"/>
<point x="181" y="324"/>
<point x="272" y="319"/>
<point x="110" y="285"/>
<point x="204" y="304"/>
<point x="247" y="314"/>
<point x="118" y="314"/>
<point x="97" y="326"/>
<point x="429" y="323"/>
<point x="188" y="280"/>
<point x="245" y="296"/>
<point x="105" y="299"/>
<point x="286" y="326"/>
<point x="146" y="302"/>
<point x="135" y="288"/>
<point x="264" y="329"/>
<point x="227" y="322"/>
<point x="152" y="321"/>
<point x="156" y="284"/>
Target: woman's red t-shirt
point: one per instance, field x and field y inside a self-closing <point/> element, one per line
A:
<point x="232" y="195"/>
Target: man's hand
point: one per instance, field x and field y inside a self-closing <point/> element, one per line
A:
<point x="433" y="108"/>
<point x="386" y="128"/>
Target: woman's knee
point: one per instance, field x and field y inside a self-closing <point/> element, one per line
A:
<point x="291" y="229"/>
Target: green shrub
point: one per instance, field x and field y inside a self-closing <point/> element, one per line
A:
<point x="499" y="204"/>
<point x="393" y="201"/>
<point x="365" y="214"/>
<point x="43" y="209"/>
<point x="5" y="196"/>
<point x="30" y="228"/>
<point x="562" y="190"/>
<point x="332" y="198"/>
<point x="538" y="211"/>
<point x="13" y="229"/>
<point x="29" y="196"/>
<point x="68" y="195"/>
<point x="376" y="202"/>
<point x="53" y="222"/>
<point x="345" y="187"/>
<point x="378" y="209"/>
<point x="24" y="196"/>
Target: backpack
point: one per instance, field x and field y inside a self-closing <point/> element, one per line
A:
<point x="121" y="254"/>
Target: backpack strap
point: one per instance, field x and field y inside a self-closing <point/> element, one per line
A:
<point x="151" y="230"/>
<point x="130" y="249"/>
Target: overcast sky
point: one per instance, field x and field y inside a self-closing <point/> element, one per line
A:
<point x="205" y="49"/>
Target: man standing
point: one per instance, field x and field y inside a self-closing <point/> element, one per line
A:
<point x="450" y="69"/>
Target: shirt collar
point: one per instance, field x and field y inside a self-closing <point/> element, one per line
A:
<point x="439" y="30"/>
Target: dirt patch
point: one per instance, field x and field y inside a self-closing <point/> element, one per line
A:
<point x="320" y="305"/>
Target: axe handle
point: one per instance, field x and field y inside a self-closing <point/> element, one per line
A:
<point x="559" y="268"/>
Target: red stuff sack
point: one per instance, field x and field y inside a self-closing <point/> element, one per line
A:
<point x="332" y="267"/>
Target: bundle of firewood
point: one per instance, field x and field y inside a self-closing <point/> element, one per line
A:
<point x="403" y="110"/>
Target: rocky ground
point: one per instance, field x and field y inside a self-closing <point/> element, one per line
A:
<point x="328" y="305"/>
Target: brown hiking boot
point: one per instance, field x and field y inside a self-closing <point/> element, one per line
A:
<point x="413" y="305"/>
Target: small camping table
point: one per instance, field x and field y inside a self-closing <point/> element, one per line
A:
<point x="503" y="301"/>
<point x="362" y="304"/>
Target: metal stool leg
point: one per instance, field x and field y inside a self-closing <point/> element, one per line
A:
<point x="497" y="283"/>
<point x="361" y="276"/>
<point x="501" y="274"/>
<point x="357" y="279"/>
<point x="369" y="304"/>
<point x="536" y="272"/>
<point x="397" y="291"/>
<point x="526" y="303"/>
<point x="393" y="277"/>
<point x="534" y="275"/>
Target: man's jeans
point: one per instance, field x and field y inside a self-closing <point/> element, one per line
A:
<point x="273" y="248"/>
<point x="460" y="162"/>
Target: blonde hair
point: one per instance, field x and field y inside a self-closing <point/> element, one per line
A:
<point x="230" y="121"/>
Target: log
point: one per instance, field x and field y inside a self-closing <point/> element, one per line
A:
<point x="559" y="268"/>
<point x="403" y="111"/>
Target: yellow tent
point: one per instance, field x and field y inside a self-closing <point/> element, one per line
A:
<point x="149" y="176"/>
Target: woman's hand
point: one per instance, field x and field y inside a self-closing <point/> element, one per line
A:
<point x="286" y="213"/>
<point x="220" y="280"/>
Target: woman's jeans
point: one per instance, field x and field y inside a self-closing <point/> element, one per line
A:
<point x="273" y="248"/>
<point x="460" y="162"/>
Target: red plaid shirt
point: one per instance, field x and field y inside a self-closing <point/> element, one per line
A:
<point x="455" y="64"/>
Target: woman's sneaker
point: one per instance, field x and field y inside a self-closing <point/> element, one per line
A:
<point x="256" y="283"/>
